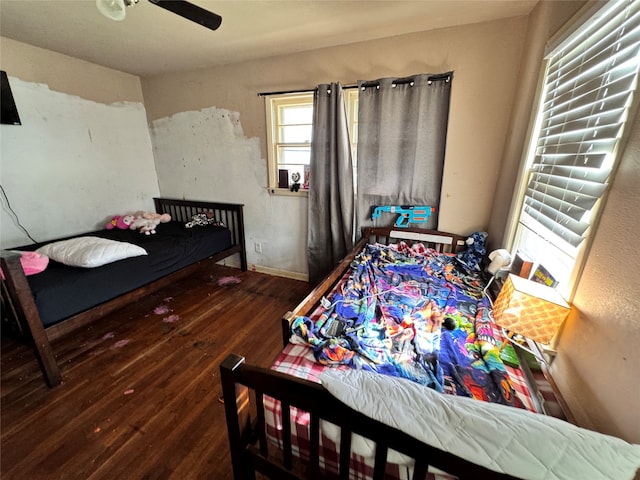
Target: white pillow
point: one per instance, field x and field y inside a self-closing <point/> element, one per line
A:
<point x="503" y="439"/>
<point x="90" y="252"/>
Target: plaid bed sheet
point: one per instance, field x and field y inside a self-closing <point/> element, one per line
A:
<point x="298" y="360"/>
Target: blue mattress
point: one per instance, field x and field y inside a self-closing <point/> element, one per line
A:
<point x="62" y="291"/>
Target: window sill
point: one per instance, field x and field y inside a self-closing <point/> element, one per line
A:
<point x="285" y="192"/>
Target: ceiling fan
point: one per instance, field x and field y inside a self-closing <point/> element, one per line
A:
<point x="115" y="10"/>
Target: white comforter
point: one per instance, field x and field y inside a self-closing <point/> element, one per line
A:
<point x="504" y="439"/>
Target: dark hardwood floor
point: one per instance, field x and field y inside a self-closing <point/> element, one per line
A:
<point x="139" y="398"/>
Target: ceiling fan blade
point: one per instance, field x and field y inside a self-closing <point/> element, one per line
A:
<point x="191" y="12"/>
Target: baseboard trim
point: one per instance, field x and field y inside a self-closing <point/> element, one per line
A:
<point x="234" y="262"/>
<point x="279" y="273"/>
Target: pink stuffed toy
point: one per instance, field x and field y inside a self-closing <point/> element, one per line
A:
<point x="120" y="221"/>
<point x="147" y="222"/>
<point x="32" y="263"/>
<point x="160" y="217"/>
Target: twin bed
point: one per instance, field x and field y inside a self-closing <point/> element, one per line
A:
<point x="346" y="398"/>
<point x="62" y="298"/>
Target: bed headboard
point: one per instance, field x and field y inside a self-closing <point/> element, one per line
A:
<point x="228" y="213"/>
<point x="443" y="242"/>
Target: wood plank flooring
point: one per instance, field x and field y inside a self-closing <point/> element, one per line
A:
<point x="139" y="398"/>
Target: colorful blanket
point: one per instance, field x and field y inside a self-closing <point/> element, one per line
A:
<point x="414" y="313"/>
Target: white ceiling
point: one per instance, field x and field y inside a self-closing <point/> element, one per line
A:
<point x="151" y="40"/>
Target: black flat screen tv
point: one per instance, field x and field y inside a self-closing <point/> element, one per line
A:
<point x="8" y="111"/>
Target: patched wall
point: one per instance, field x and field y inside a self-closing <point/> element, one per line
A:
<point x="204" y="155"/>
<point x="71" y="165"/>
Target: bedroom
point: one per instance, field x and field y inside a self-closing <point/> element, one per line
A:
<point x="85" y="128"/>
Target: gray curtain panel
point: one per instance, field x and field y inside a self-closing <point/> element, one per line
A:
<point x="331" y="201"/>
<point x="402" y="130"/>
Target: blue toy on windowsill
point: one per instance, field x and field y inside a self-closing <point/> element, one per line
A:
<point x="407" y="213"/>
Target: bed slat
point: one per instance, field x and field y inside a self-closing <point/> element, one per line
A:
<point x="262" y="435"/>
<point x="380" y="464"/>
<point x="421" y="237"/>
<point x="286" y="434"/>
<point x="345" y="453"/>
<point x="420" y="469"/>
<point x="314" y="446"/>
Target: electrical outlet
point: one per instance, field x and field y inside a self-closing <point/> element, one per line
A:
<point x="258" y="247"/>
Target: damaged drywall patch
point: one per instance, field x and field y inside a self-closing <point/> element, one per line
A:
<point x="206" y="144"/>
<point x="218" y="120"/>
<point x="89" y="159"/>
<point x="205" y="155"/>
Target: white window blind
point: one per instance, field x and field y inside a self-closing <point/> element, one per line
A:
<point x="589" y="87"/>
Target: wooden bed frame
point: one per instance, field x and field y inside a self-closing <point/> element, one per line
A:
<point x="243" y="384"/>
<point x="18" y="303"/>
<point x="243" y="387"/>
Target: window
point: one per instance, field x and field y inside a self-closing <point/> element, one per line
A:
<point x="289" y="123"/>
<point x="289" y="127"/>
<point x="588" y="91"/>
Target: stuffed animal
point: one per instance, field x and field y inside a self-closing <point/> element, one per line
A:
<point x="160" y="217"/>
<point x="120" y="221"/>
<point x="472" y="256"/>
<point x="203" y="219"/>
<point x="146" y="222"/>
<point x="144" y="225"/>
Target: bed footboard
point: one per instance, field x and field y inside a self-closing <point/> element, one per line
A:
<point x="443" y="242"/>
<point x="243" y="387"/>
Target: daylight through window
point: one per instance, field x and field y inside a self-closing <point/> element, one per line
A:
<point x="289" y="128"/>
<point x="589" y="89"/>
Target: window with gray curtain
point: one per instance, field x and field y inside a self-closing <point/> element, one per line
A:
<point x="402" y="130"/>
<point x="331" y="203"/>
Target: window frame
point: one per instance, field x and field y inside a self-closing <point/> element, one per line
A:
<point x="272" y="104"/>
<point x="514" y="228"/>
<point x="276" y="100"/>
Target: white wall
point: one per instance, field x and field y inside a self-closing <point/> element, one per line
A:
<point x="204" y="155"/>
<point x="598" y="354"/>
<point x="74" y="162"/>
<point x="226" y="156"/>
